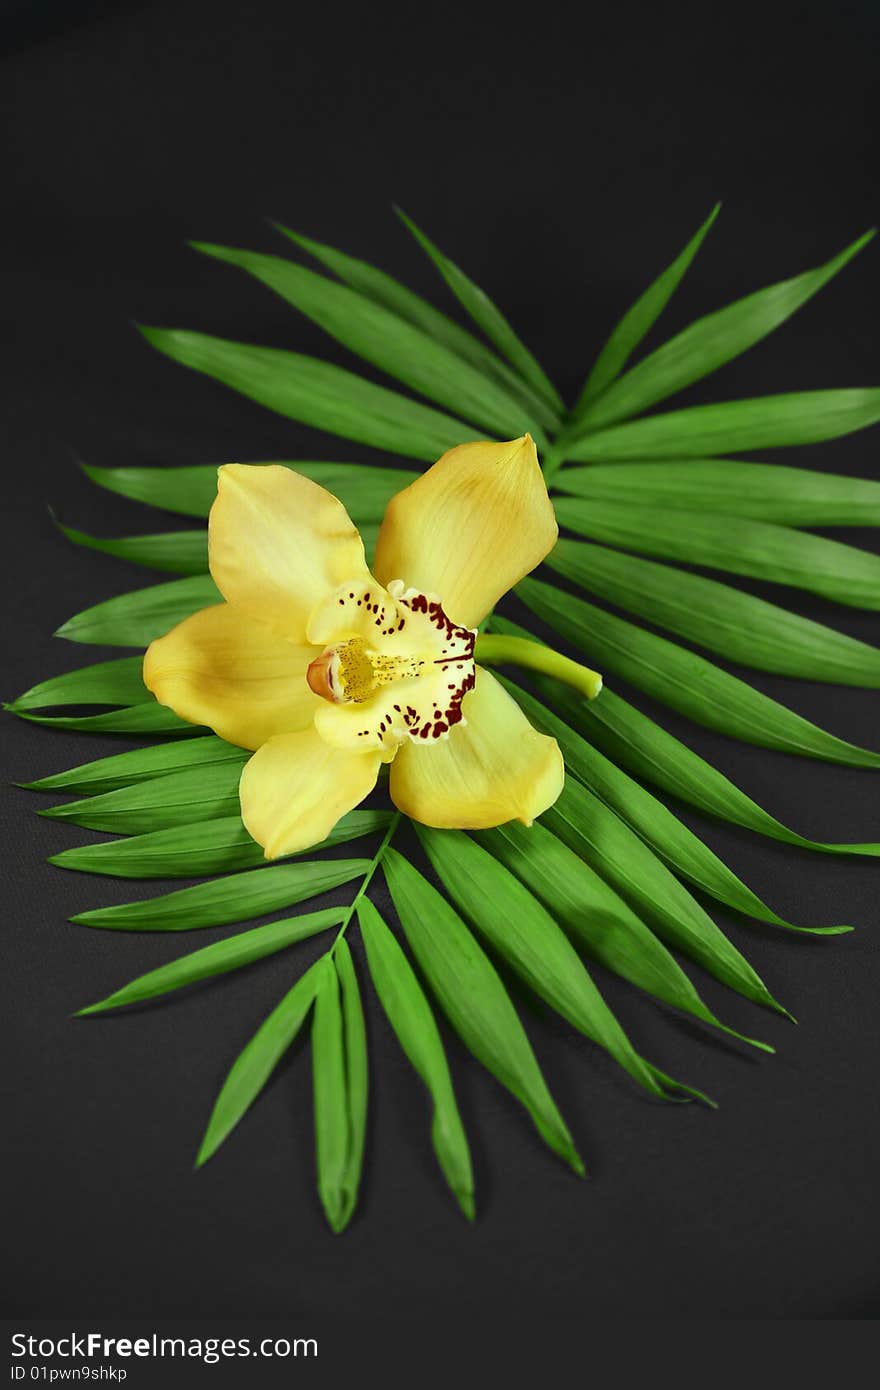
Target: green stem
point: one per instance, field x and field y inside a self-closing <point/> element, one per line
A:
<point x="497" y="650"/>
<point x="365" y="881"/>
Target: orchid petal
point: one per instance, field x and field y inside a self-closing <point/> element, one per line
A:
<point x="237" y="676"/>
<point x="277" y="542"/>
<point x="494" y="768"/>
<point x="296" y="787"/>
<point x="470" y="527"/>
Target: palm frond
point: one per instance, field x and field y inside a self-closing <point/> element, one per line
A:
<point x="607" y="876"/>
<point x="638" y="320"/>
<point x="685" y="681"/>
<point x="764" y="492"/>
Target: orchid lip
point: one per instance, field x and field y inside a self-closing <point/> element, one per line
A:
<point x="395" y="668"/>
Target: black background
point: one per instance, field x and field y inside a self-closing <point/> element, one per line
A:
<point x="562" y="166"/>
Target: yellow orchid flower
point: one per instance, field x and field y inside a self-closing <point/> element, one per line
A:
<point x="327" y="670"/>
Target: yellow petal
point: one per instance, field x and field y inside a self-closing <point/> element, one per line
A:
<point x="241" y="678"/>
<point x="296" y="787"/>
<point x="277" y="542"/>
<point x="493" y="768"/>
<point x="470" y="528"/>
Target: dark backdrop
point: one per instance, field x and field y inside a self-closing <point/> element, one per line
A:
<point x="563" y="168"/>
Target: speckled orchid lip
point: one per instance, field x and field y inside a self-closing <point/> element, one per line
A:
<point x="409" y="677"/>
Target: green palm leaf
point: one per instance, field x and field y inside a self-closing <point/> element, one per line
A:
<point x="190" y="491"/>
<point x="356" y="1077"/>
<point x="118" y="682"/>
<point x="236" y="951"/>
<point x="148" y="718"/>
<point x="599" y="920"/>
<point x="386" y="340"/>
<point x="757" y="549"/>
<point x="685" y="854"/>
<point x="256" y="1063"/>
<point x="409" y="1014"/>
<point x="140" y="764"/>
<point x="333" y="1138"/>
<point x="638" y="743"/>
<point x="685" y="681"/>
<point x="195" y="794"/>
<point x="707" y="344"/>
<point x="221" y="901"/>
<point x="179" y="552"/>
<point x="133" y="620"/>
<point x="639" y="320"/>
<point x="764" y="492"/>
<point x="766" y="422"/>
<point x="593" y="831"/>
<point x="192" y="851"/>
<point x="474" y="999"/>
<point x="523" y="932"/>
<point x="315" y="393"/>
<point x="734" y="624"/>
<point x="412" y="308"/>
<point x="487" y="317"/>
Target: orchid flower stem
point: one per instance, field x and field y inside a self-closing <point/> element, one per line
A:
<point x="365" y="881"/>
<point x="498" y="650"/>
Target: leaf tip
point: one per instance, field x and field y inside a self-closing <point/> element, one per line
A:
<point x="288" y="232"/>
<point x="338" y="1214"/>
<point x="701" y="1097"/>
<point x="864" y="239"/>
<point x="204" y="1153"/>
<point x="576" y="1163"/>
<point x="408" y="222"/>
<point x="88" y="1009"/>
<point x="780" y="1008"/>
<point x="465" y="1199"/>
<point x="209" y="248"/>
<point x="153" y="335"/>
